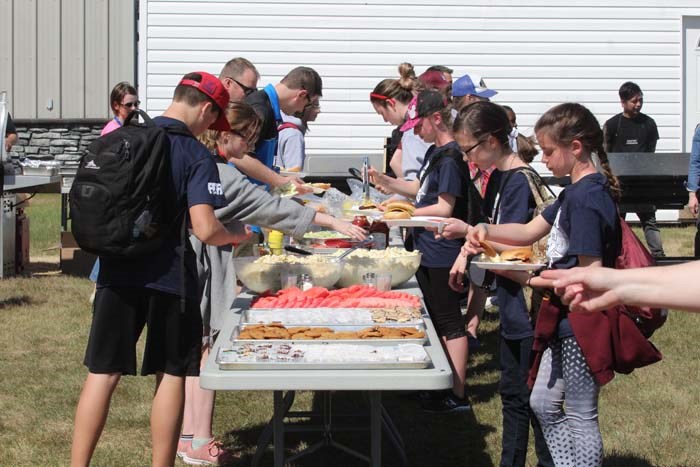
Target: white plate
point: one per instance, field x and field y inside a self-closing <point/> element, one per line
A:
<point x="416" y="221"/>
<point x="285" y="173"/>
<point x="363" y="212"/>
<point x="480" y="262"/>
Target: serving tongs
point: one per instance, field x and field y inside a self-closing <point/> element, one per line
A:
<point x="366" y="200"/>
<point x="365" y="242"/>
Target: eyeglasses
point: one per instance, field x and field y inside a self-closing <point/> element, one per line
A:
<point x="131" y="105"/>
<point x="246" y="89"/>
<point x="468" y="150"/>
<point x="250" y="141"/>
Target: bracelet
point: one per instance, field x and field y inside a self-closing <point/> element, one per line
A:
<point x="527" y="283"/>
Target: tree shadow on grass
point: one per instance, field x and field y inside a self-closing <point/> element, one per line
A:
<point x="624" y="460"/>
<point x="19" y="300"/>
<point x="436" y="440"/>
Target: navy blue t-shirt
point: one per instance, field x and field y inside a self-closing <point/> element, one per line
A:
<point x="196" y="179"/>
<point x="444" y="178"/>
<point x="584" y="222"/>
<point x="514" y="205"/>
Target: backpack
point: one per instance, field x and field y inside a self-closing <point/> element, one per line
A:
<point x="633" y="254"/>
<point x="123" y="202"/>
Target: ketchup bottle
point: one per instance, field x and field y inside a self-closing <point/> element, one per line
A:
<point x="361" y="221"/>
<point x="380" y="231"/>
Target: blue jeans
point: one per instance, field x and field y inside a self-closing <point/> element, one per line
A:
<point x="515" y="399"/>
<point x="94" y="274"/>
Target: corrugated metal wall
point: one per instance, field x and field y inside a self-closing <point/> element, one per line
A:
<point x="59" y="59"/>
<point x="536" y="54"/>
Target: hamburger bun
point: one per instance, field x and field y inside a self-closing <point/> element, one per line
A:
<point x="321" y="186"/>
<point x="523" y="254"/>
<point x="394" y="215"/>
<point x="488" y="249"/>
<point x="400" y="206"/>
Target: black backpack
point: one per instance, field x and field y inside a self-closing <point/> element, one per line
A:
<point x="123" y="201"/>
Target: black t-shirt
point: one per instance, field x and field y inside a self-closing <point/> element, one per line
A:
<point x="514" y="205"/>
<point x="440" y="174"/>
<point x="637" y="134"/>
<point x="196" y="179"/>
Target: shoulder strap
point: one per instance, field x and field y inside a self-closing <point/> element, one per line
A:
<point x="288" y="125"/>
<point x="535" y="182"/>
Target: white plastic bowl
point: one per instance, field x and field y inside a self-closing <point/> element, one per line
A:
<point x="264" y="275"/>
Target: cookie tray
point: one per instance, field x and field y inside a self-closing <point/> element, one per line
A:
<point x="221" y="360"/>
<point x="337" y="328"/>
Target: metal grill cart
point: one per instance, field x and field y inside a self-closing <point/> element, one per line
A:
<point x="13" y="181"/>
<point x="284" y="382"/>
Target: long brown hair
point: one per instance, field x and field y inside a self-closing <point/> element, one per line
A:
<point x="567" y="122"/>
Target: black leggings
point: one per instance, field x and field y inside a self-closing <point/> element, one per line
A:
<point x="442" y="302"/>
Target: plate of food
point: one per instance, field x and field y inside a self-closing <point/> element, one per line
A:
<point x="514" y="259"/>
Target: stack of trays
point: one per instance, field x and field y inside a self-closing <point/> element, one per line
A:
<point x="325" y="339"/>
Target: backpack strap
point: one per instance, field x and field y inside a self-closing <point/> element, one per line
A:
<point x="286" y="125"/>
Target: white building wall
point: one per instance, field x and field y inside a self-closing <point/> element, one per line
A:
<point x="535" y="54"/>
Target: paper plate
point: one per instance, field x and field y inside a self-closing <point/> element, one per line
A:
<point x="416" y="221"/>
<point x="481" y="262"/>
<point x="286" y="173"/>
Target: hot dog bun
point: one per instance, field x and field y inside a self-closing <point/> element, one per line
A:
<point x="488" y="249"/>
<point x="523" y="254"/>
<point x="401" y="206"/>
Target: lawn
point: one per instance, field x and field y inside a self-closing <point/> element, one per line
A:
<point x="649" y="418"/>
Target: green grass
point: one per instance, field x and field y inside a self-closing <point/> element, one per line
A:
<point x="44" y="212"/>
<point x="649" y="418"/>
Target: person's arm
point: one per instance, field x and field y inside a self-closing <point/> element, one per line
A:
<point x="443" y="208"/>
<point x="595" y="289"/>
<point x="509" y="234"/>
<point x="347" y="228"/>
<point x="396" y="163"/>
<point x="253" y="168"/>
<point x="207" y="228"/>
<point x="694" y="173"/>
<point x="654" y="136"/>
<point x="407" y="188"/>
<point x="608" y="136"/>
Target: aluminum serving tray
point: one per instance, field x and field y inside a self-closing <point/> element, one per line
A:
<point x="338" y="328"/>
<point x="301" y="365"/>
<point x="287" y="316"/>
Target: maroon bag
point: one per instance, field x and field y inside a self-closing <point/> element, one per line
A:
<point x="634" y="254"/>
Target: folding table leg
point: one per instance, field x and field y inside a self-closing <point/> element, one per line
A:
<point x="375" y="423"/>
<point x="278" y="428"/>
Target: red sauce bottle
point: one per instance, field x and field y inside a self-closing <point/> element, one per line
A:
<point x="361" y="221"/>
<point x="380" y="231"/>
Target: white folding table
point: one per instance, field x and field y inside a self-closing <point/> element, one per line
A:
<point x="436" y="377"/>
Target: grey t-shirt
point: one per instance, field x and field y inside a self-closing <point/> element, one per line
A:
<point x="413" y="152"/>
<point x="291" y="149"/>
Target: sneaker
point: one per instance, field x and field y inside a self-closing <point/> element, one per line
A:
<point x="182" y="446"/>
<point x="212" y="453"/>
<point x="473" y="342"/>
<point x="448" y="404"/>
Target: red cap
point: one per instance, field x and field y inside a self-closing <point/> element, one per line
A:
<point x="211" y="86"/>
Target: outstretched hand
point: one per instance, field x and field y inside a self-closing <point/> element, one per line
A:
<point x="585" y="289"/>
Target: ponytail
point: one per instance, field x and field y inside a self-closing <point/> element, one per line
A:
<point x="613" y="182"/>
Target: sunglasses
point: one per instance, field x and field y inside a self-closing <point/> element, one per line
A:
<point x="131" y="105"/>
<point x="246" y="89"/>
